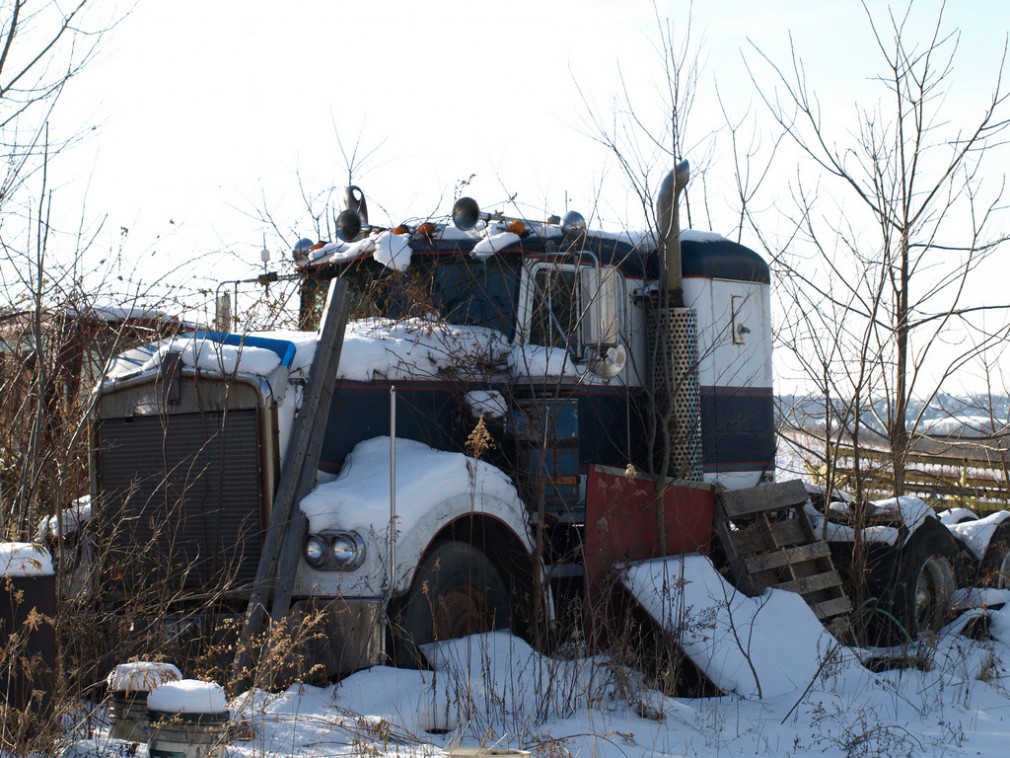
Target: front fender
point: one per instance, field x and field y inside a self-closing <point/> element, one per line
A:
<point x="434" y="489"/>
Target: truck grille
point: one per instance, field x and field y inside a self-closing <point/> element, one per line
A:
<point x="179" y="500"/>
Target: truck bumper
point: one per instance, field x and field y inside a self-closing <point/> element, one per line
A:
<point x="341" y="635"/>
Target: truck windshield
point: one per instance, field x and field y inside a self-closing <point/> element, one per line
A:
<point x="454" y="288"/>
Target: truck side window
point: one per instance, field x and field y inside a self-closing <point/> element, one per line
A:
<point x="556" y="313"/>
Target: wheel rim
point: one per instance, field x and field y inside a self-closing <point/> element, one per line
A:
<point x="933" y="588"/>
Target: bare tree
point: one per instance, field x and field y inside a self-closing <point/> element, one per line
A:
<point x="889" y="236"/>
<point x="42" y="48"/>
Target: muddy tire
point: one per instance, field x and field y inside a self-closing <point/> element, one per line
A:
<point x="924" y="579"/>
<point x="457" y="591"/>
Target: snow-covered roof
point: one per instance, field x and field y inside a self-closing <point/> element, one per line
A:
<point x="117" y="314"/>
<point x="392" y="248"/>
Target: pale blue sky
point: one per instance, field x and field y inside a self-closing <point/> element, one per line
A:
<point x="209" y="110"/>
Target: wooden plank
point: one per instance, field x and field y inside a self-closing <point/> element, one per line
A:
<point x="805" y="584"/>
<point x="753" y="538"/>
<point x="763" y="499"/>
<point x="786" y="556"/>
<point x="765" y="535"/>
<point x="834" y="607"/>
<point x="783" y="553"/>
<point x="725" y="536"/>
<point x="298" y="471"/>
<point x="789" y="532"/>
<point x="291" y="546"/>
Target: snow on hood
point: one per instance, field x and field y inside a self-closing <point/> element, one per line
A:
<point x="424" y="478"/>
<point x="208" y="355"/>
<point x="373" y="348"/>
<point x="24" y="559"/>
<point x="416" y="348"/>
<point x="535" y="361"/>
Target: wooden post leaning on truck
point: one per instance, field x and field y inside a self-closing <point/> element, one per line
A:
<point x="298" y="474"/>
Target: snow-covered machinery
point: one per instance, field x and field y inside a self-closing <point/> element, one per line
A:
<point x="518" y="406"/>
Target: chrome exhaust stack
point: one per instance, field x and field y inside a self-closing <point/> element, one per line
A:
<point x="673" y="339"/>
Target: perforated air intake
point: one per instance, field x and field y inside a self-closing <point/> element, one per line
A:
<point x="673" y="340"/>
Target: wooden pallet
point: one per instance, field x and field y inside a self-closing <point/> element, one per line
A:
<point x="769" y="542"/>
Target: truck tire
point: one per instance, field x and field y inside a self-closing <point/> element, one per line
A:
<point x="994" y="569"/>
<point x="924" y="579"/>
<point x="457" y="591"/>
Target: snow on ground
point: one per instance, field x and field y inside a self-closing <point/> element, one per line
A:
<point x="494" y="690"/>
<point x="733" y="638"/>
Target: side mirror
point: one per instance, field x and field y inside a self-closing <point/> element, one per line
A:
<point x="600" y="293"/>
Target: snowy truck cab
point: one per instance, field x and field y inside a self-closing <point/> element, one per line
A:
<point x="520" y="360"/>
<point x="507" y="394"/>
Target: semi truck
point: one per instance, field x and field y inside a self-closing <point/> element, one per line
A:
<point x="507" y="391"/>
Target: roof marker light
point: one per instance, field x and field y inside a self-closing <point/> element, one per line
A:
<point x="302" y="248"/>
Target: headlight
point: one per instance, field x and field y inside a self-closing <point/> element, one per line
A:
<point x="317" y="550"/>
<point x="347" y="551"/>
<point x="336" y="551"/>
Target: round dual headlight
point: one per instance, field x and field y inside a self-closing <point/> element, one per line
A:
<point x="334" y="551"/>
<point x="345" y="551"/>
<point x="317" y="551"/>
